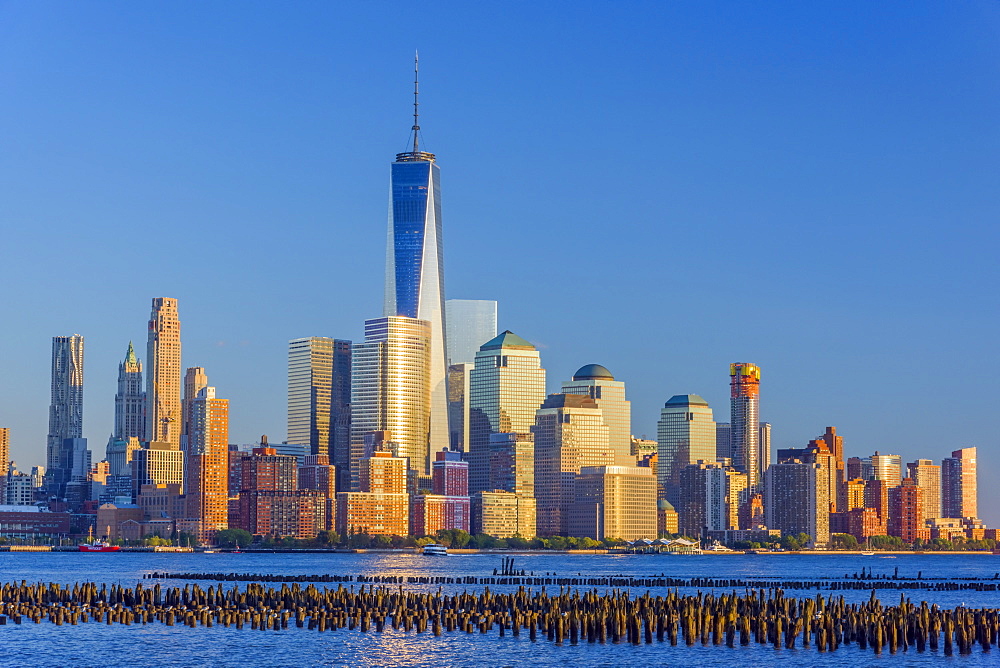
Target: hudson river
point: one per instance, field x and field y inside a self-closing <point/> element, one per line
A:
<point x="96" y="644"/>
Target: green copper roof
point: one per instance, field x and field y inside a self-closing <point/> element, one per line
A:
<point x="507" y="340"/>
<point x="686" y="400"/>
<point x="593" y="372"/>
<point x="130" y="355"/>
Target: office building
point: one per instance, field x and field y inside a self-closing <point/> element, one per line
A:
<point x="927" y="475"/>
<point x="414" y="274"/>
<point x="512" y="463"/>
<point x="65" y="411"/>
<point x="569" y="433"/>
<point x="506" y="388"/>
<point x="503" y="514"/>
<point x="614" y="502"/>
<point x="391" y="390"/>
<point x="4" y="448"/>
<point x="157" y="463"/>
<point x="319" y="400"/>
<point x="458" y="406"/>
<point x="596" y="382"/>
<point x="18" y="488"/>
<point x="642" y="448"/>
<point x="470" y="324"/>
<point x="723" y="447"/>
<point x="764" y="435"/>
<point x="686" y="434"/>
<point x="163" y="374"/>
<point x="744" y="423"/>
<point x="796" y="500"/>
<point x="130" y="400"/>
<point x="959" y="492"/>
<point x="207" y="471"/>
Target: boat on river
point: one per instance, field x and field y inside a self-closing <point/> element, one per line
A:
<point x="435" y="549"/>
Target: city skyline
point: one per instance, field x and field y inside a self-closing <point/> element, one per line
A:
<point x="871" y="407"/>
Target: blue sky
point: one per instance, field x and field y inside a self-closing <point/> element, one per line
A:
<point x="662" y="188"/>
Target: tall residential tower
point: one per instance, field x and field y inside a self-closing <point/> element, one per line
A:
<point x="163" y="376"/>
<point x="65" y="412"/>
<point x="744" y="420"/>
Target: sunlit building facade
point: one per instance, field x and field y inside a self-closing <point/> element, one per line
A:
<point x="959" y="487"/>
<point x="927" y="475"/>
<point x="506" y="388"/>
<point x="130" y="400"/>
<point x="685" y="433"/>
<point x="391" y="390"/>
<point x="163" y="375"/>
<point x="65" y="412"/>
<point x="744" y="422"/>
<point x="596" y="381"/>
<point x="207" y="472"/>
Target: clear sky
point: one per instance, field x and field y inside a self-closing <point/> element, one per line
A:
<point x="659" y="187"/>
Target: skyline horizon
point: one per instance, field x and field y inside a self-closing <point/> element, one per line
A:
<point x="659" y="190"/>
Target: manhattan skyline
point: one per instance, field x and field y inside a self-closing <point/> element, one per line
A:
<point x="778" y="189"/>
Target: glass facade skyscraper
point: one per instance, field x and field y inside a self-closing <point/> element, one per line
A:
<point x="471" y="323"/>
<point x="685" y="434"/>
<point x="414" y="276"/>
<point x="596" y="382"/>
<point x="65" y="411"/>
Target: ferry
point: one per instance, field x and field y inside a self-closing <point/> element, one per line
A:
<point x="436" y="549"/>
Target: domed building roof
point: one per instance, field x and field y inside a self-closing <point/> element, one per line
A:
<point x="593" y="372"/>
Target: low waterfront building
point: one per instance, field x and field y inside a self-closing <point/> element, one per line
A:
<point x="31" y="524"/>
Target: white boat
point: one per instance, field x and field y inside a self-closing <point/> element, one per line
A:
<point x="436" y="549"/>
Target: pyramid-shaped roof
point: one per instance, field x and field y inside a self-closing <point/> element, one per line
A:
<point x="507" y="340"/>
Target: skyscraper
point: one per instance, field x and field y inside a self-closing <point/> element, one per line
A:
<point x="163" y="377"/>
<point x="927" y="475"/>
<point x="506" y="388"/>
<point x="4" y="447"/>
<point x="65" y="411"/>
<point x="471" y="323"/>
<point x="207" y="466"/>
<point x="390" y="390"/>
<point x="414" y="276"/>
<point x="195" y="380"/>
<point x="744" y="420"/>
<point x="685" y="434"/>
<point x="597" y="382"/>
<point x="130" y="401"/>
<point x="570" y="433"/>
<point x="319" y="400"/>
<point x="797" y="500"/>
<point x="888" y="468"/>
<point x="959" y="485"/>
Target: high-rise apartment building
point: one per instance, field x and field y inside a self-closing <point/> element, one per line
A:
<point x="207" y="467"/>
<point x="4" y="448"/>
<point x="888" y="468"/>
<point x="471" y="323"/>
<point x="391" y="390"/>
<point x="927" y="475"/>
<point x="195" y="380"/>
<point x="65" y="411"/>
<point x="163" y="374"/>
<point x="959" y="492"/>
<point x="744" y="420"/>
<point x="414" y="272"/>
<point x="614" y="502"/>
<point x="448" y="506"/>
<point x="570" y="433"/>
<point x="383" y="504"/>
<point x="506" y="388"/>
<point x="906" y="511"/>
<point x="723" y="446"/>
<point x="797" y="500"/>
<point x="685" y="434"/>
<point x="701" y="498"/>
<point x="765" y="443"/>
<point x="596" y="381"/>
<point x="319" y="400"/>
<point x="130" y="401"/>
<point x="503" y="514"/>
<point x="157" y="463"/>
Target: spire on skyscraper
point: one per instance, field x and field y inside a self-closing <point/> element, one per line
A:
<point x="416" y="155"/>
<point x="130" y="355"/>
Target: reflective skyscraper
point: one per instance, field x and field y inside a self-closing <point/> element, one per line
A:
<point x="685" y="434"/>
<point x="414" y="276"/>
<point x="65" y="411"/>
<point x="471" y="323"/>
<point x="596" y="382"/>
<point x="744" y="429"/>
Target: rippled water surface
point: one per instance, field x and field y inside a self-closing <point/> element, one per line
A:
<point x="99" y="645"/>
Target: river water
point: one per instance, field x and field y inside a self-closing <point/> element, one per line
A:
<point x="154" y="644"/>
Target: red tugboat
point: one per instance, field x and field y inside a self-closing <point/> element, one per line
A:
<point x="98" y="546"/>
